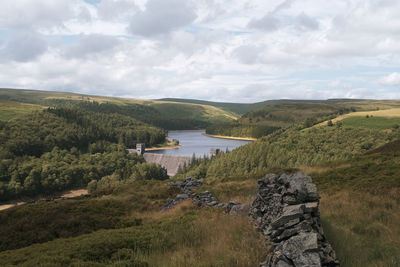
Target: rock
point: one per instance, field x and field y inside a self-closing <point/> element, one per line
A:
<point x="283" y="264"/>
<point x="302" y="187"/>
<point x="230" y="205"/>
<point x="240" y="210"/>
<point x="182" y="196"/>
<point x="186" y="186"/>
<point x="212" y="203"/>
<point x="302" y="249"/>
<point x="311" y="207"/>
<point x="289" y="213"/>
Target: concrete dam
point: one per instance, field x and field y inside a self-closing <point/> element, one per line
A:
<point x="170" y="162"/>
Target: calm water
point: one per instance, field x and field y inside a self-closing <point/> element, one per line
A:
<point x="195" y="142"/>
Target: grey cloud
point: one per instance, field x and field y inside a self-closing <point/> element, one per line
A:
<point x="84" y="15"/>
<point x="91" y="44"/>
<point x="284" y="5"/>
<point x="26" y="14"/>
<point x="162" y="16"/>
<point x="247" y="54"/>
<point x="113" y="9"/>
<point x="304" y="22"/>
<point x="23" y="47"/>
<point x="268" y="23"/>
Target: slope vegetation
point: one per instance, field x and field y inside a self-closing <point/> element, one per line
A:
<point x="167" y="115"/>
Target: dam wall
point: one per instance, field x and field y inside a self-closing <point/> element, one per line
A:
<point x="170" y="162"/>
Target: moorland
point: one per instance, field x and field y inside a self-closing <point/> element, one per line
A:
<point x="53" y="141"/>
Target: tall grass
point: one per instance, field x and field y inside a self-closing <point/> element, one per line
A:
<point x="363" y="228"/>
<point x="183" y="236"/>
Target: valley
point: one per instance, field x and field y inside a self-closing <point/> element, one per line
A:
<point x="73" y="142"/>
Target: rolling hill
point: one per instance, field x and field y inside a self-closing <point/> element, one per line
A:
<point x="165" y="114"/>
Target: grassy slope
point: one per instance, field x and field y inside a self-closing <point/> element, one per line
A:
<point x="360" y="208"/>
<point x="238" y="108"/>
<point x="172" y="110"/>
<point x="183" y="236"/>
<point x="10" y="109"/>
<point x="390" y="111"/>
<point x="243" y="108"/>
<point x="381" y="123"/>
<point x="289" y="112"/>
<point x="360" y="203"/>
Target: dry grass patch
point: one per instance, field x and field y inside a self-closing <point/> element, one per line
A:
<point x="220" y="240"/>
<point x="387" y="113"/>
<point x="363" y="228"/>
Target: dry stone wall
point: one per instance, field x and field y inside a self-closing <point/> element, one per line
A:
<point x="203" y="199"/>
<point x="286" y="212"/>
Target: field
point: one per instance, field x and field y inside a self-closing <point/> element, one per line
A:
<point x="10" y="109"/>
<point x="380" y="123"/>
<point x="385" y="113"/>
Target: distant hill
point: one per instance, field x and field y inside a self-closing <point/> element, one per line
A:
<point x="238" y="108"/>
<point x="168" y="115"/>
<point x="243" y="108"/>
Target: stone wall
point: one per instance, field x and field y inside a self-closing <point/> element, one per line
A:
<point x="203" y="199"/>
<point x="286" y="212"/>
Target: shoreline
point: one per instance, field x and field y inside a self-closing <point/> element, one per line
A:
<point x="230" y="137"/>
<point x="162" y="148"/>
<point x="200" y="130"/>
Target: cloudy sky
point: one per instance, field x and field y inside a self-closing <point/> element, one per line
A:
<point x="221" y="50"/>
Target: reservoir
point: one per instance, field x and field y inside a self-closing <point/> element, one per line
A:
<point x="194" y="142"/>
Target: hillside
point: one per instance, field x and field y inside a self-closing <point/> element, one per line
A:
<point x="359" y="209"/>
<point x="356" y="171"/>
<point x="80" y="143"/>
<point x="170" y="116"/>
<point x="286" y="113"/>
<point x="237" y="108"/>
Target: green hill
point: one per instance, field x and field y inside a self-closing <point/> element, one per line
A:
<point x="170" y="116"/>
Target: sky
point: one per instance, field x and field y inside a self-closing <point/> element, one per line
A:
<point x="218" y="50"/>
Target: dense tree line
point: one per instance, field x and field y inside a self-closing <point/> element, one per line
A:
<point x="294" y="147"/>
<point x="65" y="147"/>
<point x="177" y="117"/>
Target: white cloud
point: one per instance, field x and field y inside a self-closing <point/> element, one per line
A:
<point x="210" y="49"/>
<point x="392" y="79"/>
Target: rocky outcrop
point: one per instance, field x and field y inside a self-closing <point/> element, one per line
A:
<point x="286" y="212"/>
